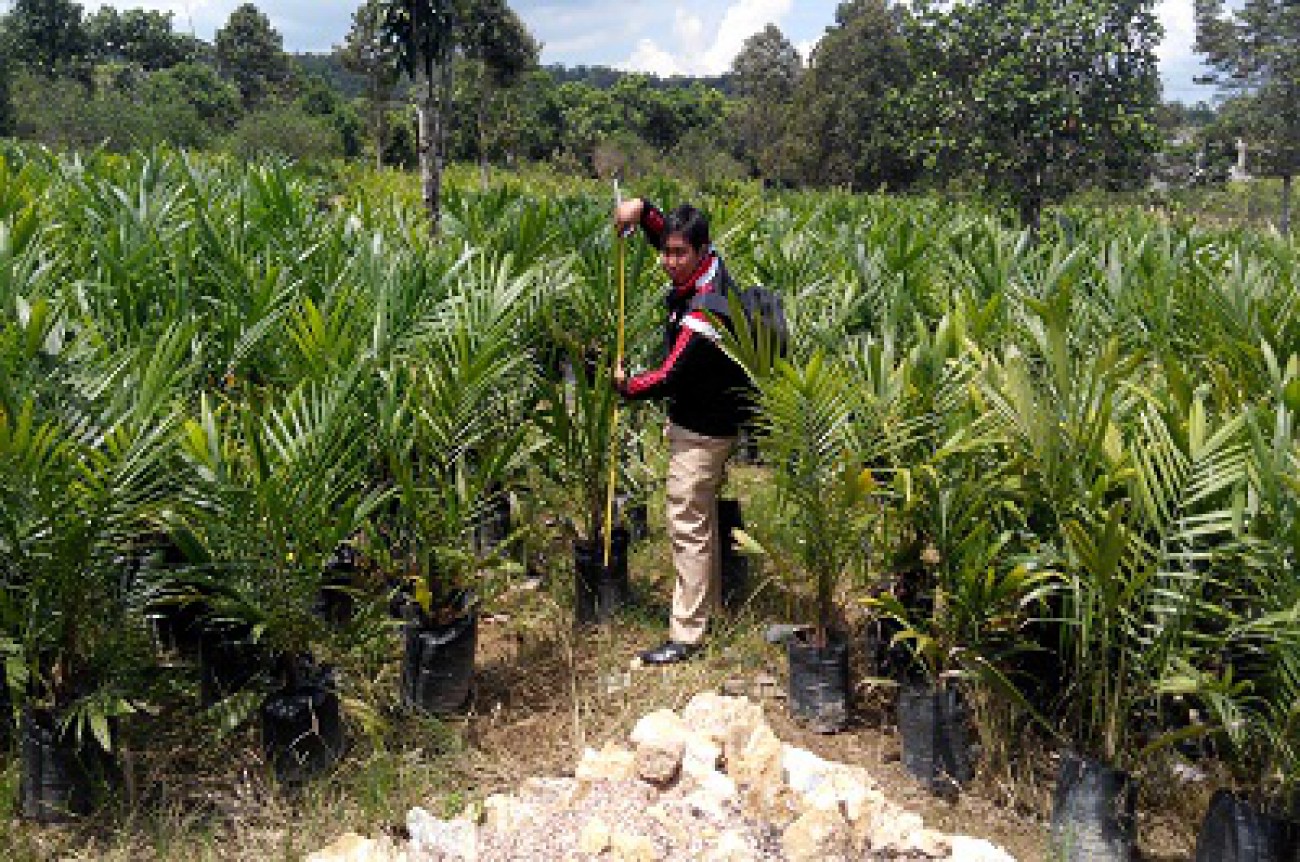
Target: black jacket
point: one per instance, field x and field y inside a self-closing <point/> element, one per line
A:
<point x="707" y="392"/>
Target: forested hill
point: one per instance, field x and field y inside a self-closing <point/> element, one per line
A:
<point x="604" y="77"/>
<point x="352" y="85"/>
<point x="330" y="67"/>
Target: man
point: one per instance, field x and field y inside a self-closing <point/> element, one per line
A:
<point x="706" y="406"/>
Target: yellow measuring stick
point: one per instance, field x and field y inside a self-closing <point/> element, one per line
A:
<point x="613" y="431"/>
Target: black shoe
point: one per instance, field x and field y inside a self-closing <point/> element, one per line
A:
<point x="670" y="653"/>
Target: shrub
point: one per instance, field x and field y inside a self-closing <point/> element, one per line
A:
<point x="699" y="157"/>
<point x="65" y="113"/>
<point x="400" y="145"/>
<point x="624" y="155"/>
<point x="285" y="131"/>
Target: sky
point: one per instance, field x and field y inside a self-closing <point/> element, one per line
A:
<point x="660" y="36"/>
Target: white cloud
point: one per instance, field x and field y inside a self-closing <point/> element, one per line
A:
<point x="689" y="32"/>
<point x="1179" y="63"/>
<point x="694" y="52"/>
<point x="649" y="57"/>
<point x="1179" y="19"/>
<point x="742" y="20"/>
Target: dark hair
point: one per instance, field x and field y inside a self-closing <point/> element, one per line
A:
<point x="690" y="223"/>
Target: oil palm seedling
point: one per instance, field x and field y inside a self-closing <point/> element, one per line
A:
<point x="583" y="440"/>
<point x="806" y="416"/>
<point x="962" y="615"/>
<point x="1137" y="487"/>
<point x="1248" y="698"/>
<point x="950" y="608"/>
<point x="1069" y="442"/>
<point x="1242" y="667"/>
<point x="84" y="460"/>
<point x="576" y="424"/>
<point x="583" y="316"/>
<point x="502" y="221"/>
<point x="821" y="431"/>
<point x="453" y="434"/>
<point x="272" y="492"/>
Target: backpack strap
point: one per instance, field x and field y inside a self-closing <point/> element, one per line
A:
<point x="713" y="303"/>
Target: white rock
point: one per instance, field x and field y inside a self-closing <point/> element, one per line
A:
<point x="658" y="727"/>
<point x="891" y="828"/>
<point x="818" y="836"/>
<point x="661" y="741"/>
<point x="900" y="832"/>
<point x="503" y="813"/>
<point x="803" y="770"/>
<point x="611" y="763"/>
<point x="701" y="755"/>
<point x="845" y="789"/>
<point x="715" y="795"/>
<point x="714" y="715"/>
<point x="756" y="758"/>
<point x="434" y="839"/>
<point x="658" y="765"/>
<point x="731" y="846"/>
<point x="595" y="837"/>
<point x="824" y="811"/>
<point x="966" y="849"/>
<point x="934" y="844"/>
<point x="351" y="847"/>
<point x="630" y="847"/>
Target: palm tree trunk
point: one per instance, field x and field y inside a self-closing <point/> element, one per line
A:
<point x="482" y="140"/>
<point x="430" y="151"/>
<point x="379" y="122"/>
<point x="1031" y="213"/>
<point x="445" y="109"/>
<point x="1285" y="221"/>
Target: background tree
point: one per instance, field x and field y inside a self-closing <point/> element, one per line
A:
<point x="587" y="116"/>
<point x="537" y="122"/>
<point x="1040" y="98"/>
<point x="849" y="124"/>
<point x="216" y="101"/>
<point x="143" y="37"/>
<point x="49" y="37"/>
<point x="765" y="74"/>
<point x="285" y="131"/>
<point x="7" y="118"/>
<point x="366" y="53"/>
<point x="422" y="33"/>
<point x="250" y="52"/>
<point x="499" y="50"/>
<point x="427" y="35"/>
<point x="1255" y="53"/>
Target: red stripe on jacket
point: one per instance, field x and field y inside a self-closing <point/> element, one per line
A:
<point x="644" y="385"/>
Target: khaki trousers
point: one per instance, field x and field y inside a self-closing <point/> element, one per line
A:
<point x="696" y="467"/>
